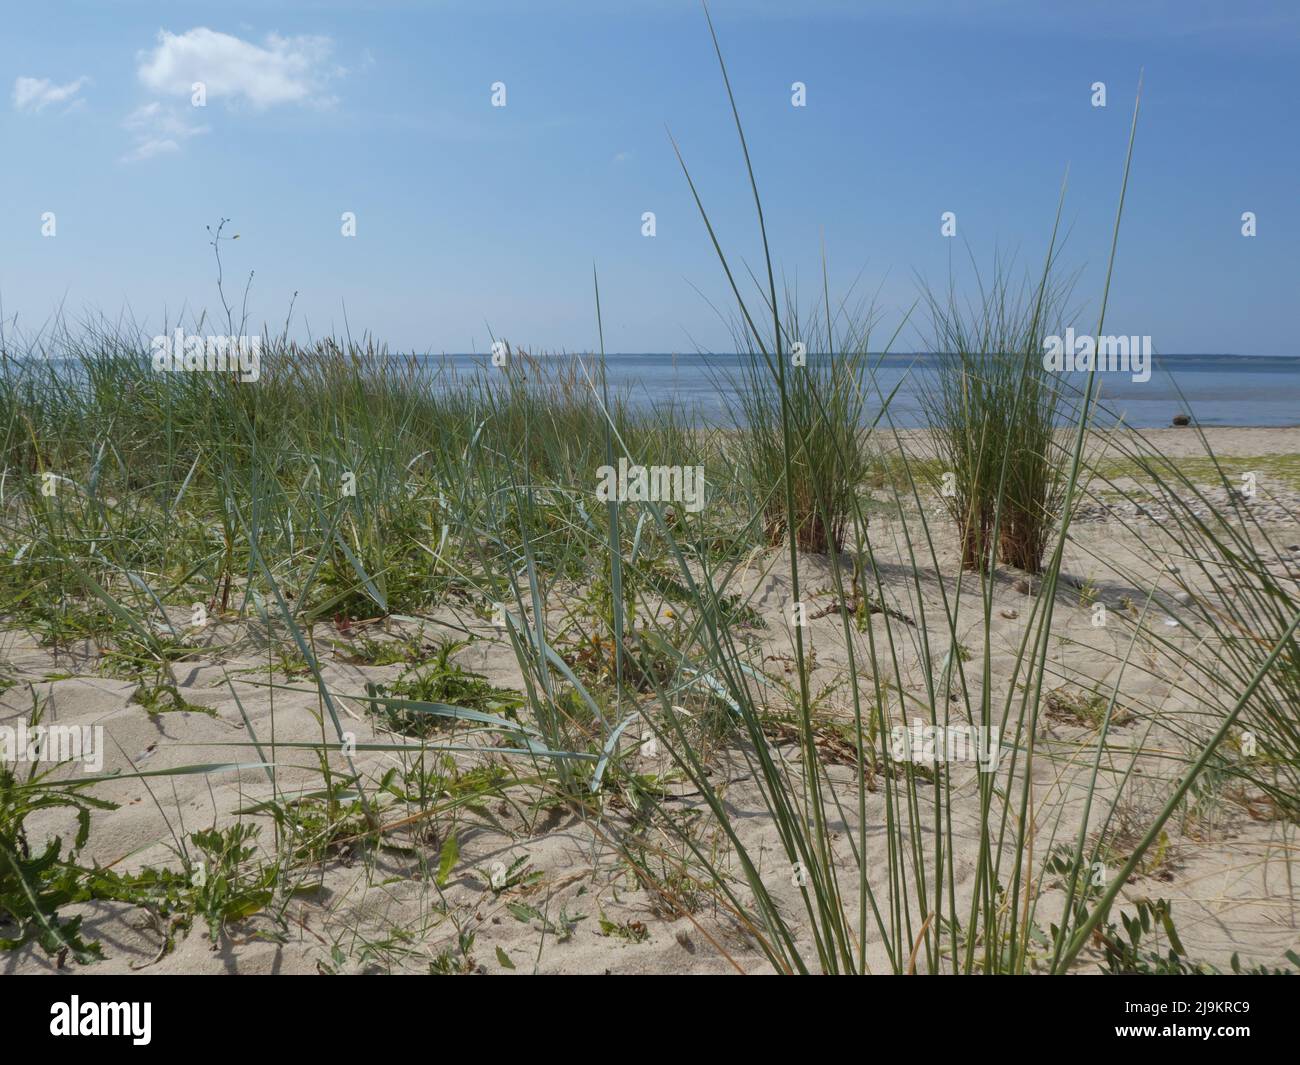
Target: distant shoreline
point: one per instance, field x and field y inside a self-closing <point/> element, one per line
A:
<point x="1227" y="441"/>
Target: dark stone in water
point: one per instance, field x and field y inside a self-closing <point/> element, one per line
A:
<point x="1182" y="419"/>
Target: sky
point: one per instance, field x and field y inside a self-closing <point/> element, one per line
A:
<point x="474" y="220"/>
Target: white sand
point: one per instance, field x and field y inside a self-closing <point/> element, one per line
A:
<point x="1230" y="883"/>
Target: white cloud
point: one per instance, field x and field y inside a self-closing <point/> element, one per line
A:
<point x="36" y="94"/>
<point x="157" y="131"/>
<point x="282" y="70"/>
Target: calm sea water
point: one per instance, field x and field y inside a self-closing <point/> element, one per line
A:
<point x="1213" y="389"/>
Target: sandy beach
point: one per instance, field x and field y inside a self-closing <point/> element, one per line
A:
<point x="547" y="888"/>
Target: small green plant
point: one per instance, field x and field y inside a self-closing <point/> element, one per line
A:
<point x="632" y="931"/>
<point x="317" y="827"/>
<point x="444" y="682"/>
<point x="501" y="878"/>
<point x="455" y="961"/>
<point x="1147" y="944"/>
<point x="222" y="883"/>
<point x="1127" y="953"/>
<point x="561" y="929"/>
<point x="227" y="884"/>
<point x="134" y="658"/>
<point x="292" y="664"/>
<point x="1076" y="707"/>
<point x="372" y="652"/>
<point x="162" y="698"/>
<point x="34" y="886"/>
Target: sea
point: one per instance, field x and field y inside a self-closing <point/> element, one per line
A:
<point x="1243" y="390"/>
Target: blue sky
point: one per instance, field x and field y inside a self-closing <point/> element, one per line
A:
<point x="470" y="216"/>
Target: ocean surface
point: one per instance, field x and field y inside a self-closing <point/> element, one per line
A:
<point x="1214" y="389"/>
